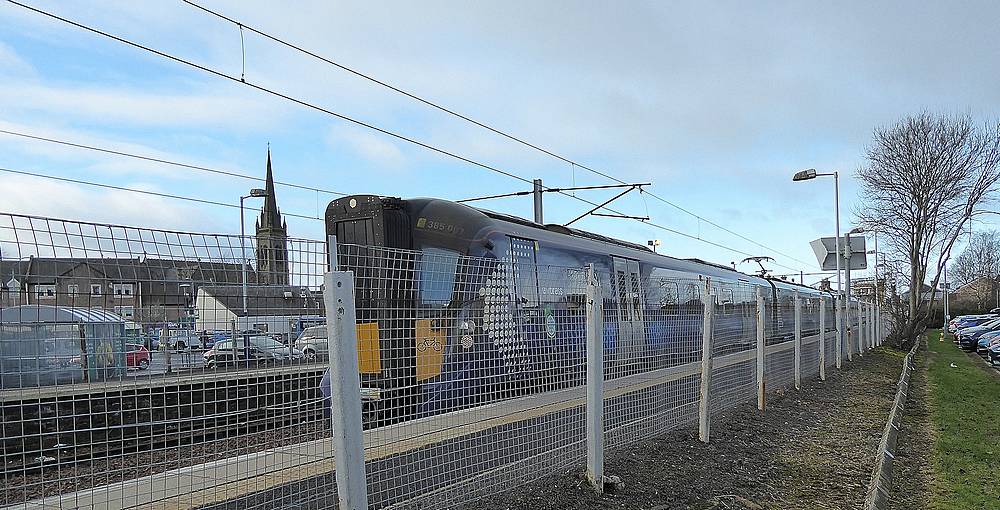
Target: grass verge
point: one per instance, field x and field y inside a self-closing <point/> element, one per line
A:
<point x="965" y="415"/>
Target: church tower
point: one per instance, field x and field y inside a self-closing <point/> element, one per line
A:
<point x="272" y="238"/>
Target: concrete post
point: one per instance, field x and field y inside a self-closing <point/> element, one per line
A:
<point x="822" y="338"/>
<point x="707" y="334"/>
<point x="345" y="389"/>
<point x="798" y="341"/>
<point x="761" y="354"/>
<point x="595" y="381"/>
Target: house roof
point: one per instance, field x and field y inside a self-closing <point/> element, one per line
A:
<point x="47" y="269"/>
<point x="267" y="300"/>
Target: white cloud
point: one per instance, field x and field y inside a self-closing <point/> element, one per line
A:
<point x="11" y="63"/>
<point x="43" y="197"/>
<point x="374" y="147"/>
<point x="119" y="105"/>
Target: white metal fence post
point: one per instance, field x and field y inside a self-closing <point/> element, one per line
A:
<point x="345" y="388"/>
<point x="839" y="318"/>
<point x="822" y="338"/>
<point x="595" y="381"/>
<point x="861" y="328"/>
<point x="878" y="324"/>
<point x="707" y="335"/>
<point x="798" y="341"/>
<point x="850" y="331"/>
<point x="861" y="314"/>
<point x="872" y="326"/>
<point x="761" y="354"/>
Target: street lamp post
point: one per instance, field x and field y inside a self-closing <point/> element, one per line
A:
<point x="254" y="193"/>
<point x="809" y="174"/>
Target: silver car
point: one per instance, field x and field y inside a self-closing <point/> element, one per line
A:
<point x="275" y="350"/>
<point x="183" y="340"/>
<point x="312" y="342"/>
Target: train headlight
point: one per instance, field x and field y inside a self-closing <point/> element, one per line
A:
<point x="467" y="342"/>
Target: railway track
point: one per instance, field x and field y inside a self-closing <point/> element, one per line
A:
<point x="57" y="431"/>
<point x="185" y="432"/>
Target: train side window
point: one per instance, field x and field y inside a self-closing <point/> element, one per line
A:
<point x="437" y="275"/>
<point x="691" y="298"/>
<point x="724" y="300"/>
<point x="665" y="294"/>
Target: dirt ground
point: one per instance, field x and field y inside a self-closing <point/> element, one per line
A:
<point x="911" y="469"/>
<point x="812" y="449"/>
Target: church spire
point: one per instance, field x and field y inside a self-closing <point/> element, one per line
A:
<point x="272" y="237"/>
<point x="270" y="216"/>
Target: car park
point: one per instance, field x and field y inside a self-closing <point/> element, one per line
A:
<point x="972" y="321"/>
<point x="313" y="343"/>
<point x="137" y="356"/>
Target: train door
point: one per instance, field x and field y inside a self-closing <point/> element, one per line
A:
<point x="526" y="348"/>
<point x="631" y="341"/>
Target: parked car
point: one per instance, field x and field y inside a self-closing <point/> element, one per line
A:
<point x="312" y="342"/>
<point x="971" y="321"/>
<point x="985" y="340"/>
<point x="185" y="340"/>
<point x="968" y="338"/>
<point x="263" y="349"/>
<point x="994" y="353"/>
<point x="137" y="356"/>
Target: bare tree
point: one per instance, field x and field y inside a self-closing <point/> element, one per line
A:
<point x="977" y="268"/>
<point x="926" y="176"/>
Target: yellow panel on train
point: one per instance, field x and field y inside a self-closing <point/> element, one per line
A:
<point x="369" y="357"/>
<point x="430" y="349"/>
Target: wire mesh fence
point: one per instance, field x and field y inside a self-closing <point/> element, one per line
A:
<point x="158" y="369"/>
<point x="128" y="355"/>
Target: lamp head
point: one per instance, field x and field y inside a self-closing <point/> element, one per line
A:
<point x="805" y="175"/>
<point x="257" y="192"/>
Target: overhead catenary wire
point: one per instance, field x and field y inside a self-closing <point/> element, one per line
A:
<point x="481" y="124"/>
<point x="346" y="118"/>
<point x="145" y="192"/>
<point x="223" y="172"/>
<point x="168" y="162"/>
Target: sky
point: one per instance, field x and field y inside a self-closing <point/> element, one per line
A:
<point x="716" y="104"/>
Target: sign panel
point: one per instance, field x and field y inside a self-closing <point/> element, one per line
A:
<point x="825" y="249"/>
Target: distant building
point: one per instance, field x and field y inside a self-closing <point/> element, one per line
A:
<point x="276" y="309"/>
<point x="863" y="287"/>
<point x="982" y="292"/>
<point x="144" y="290"/>
<point x="272" y="237"/>
<point x="10" y="282"/>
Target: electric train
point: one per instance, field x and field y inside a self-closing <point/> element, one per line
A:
<point x="458" y="306"/>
